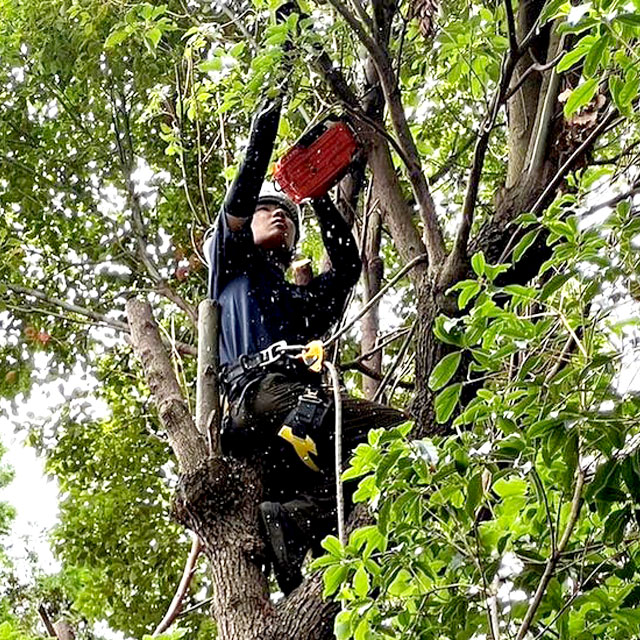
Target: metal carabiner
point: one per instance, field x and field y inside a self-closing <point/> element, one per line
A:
<point x="273" y="353"/>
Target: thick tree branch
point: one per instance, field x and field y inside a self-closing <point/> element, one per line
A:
<point x="538" y="144"/>
<point x="396" y="211"/>
<point x="433" y="237"/>
<point x="188" y="445"/>
<point x="208" y="411"/>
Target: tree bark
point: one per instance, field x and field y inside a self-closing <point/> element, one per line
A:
<point x="372" y="276"/>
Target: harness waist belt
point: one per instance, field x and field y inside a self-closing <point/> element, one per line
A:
<point x="248" y="367"/>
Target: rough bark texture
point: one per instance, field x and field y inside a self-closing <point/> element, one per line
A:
<point x="219" y="502"/>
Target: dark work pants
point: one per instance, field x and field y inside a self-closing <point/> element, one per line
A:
<point x="307" y="496"/>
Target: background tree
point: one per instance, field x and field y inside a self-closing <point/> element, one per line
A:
<point x="494" y="134"/>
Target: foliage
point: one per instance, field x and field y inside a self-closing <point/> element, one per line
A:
<point x="539" y="484"/>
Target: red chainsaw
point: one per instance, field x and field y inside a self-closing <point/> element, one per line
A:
<point x="317" y="161"/>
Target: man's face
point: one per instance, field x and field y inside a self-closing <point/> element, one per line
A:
<point x="272" y="228"/>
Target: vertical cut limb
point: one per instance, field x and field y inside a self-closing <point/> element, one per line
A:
<point x="208" y="391"/>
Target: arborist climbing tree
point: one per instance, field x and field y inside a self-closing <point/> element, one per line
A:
<point x="279" y="412"/>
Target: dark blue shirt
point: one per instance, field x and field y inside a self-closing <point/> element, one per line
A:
<point x="258" y="306"/>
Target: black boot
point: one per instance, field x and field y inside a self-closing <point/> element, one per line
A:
<point x="286" y="545"/>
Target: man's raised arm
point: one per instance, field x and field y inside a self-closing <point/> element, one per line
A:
<point x="242" y="196"/>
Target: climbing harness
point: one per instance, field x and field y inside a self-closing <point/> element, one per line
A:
<point x="307" y="417"/>
<point x="302" y="422"/>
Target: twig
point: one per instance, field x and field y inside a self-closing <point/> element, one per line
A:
<point x="44" y="616"/>
<point x="407" y="267"/>
<point x="396" y="363"/>
<point x="451" y="160"/>
<point x="509" y="62"/>
<point x="183" y="587"/>
<point x="576" y="504"/>
<point x="195" y="607"/>
<point x="617" y="157"/>
<point x="536" y="66"/>
<point x="511" y="27"/>
<point x="485" y="588"/>
<point x="379" y="347"/>
<point x="362" y="368"/>
<point x="553" y="184"/>
<point x="67" y="306"/>
<point x="612" y="202"/>
<point x="577" y="592"/>
<point x="399" y="382"/>
<point x="552" y="531"/>
<point x="566" y="167"/>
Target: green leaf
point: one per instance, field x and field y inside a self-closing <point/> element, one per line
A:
<point x="154" y="35"/>
<point x="525" y="242"/>
<point x="595" y="55"/>
<point x="629" y="91"/>
<point x="615" y="524"/>
<point x="333" y="578"/>
<point x="474" y="494"/>
<point x="520" y="291"/>
<point x="629" y="19"/>
<point x="554" y="9"/>
<point x="510" y="488"/>
<point x="342" y="625"/>
<point x="446" y="402"/>
<point x="444" y="370"/>
<point x="580" y="96"/>
<point x="215" y="64"/>
<point x="554" y="283"/>
<point x="615" y="87"/>
<point x="116" y="37"/>
<point x="467" y="293"/>
<point x="571" y="57"/>
<point x="237" y="49"/>
<point x="333" y="546"/>
<point x="478" y="263"/>
<point x="361" y="581"/>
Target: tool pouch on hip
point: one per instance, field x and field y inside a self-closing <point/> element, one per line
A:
<point x="301" y="427"/>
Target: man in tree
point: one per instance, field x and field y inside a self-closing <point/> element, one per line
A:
<point x="252" y="245"/>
